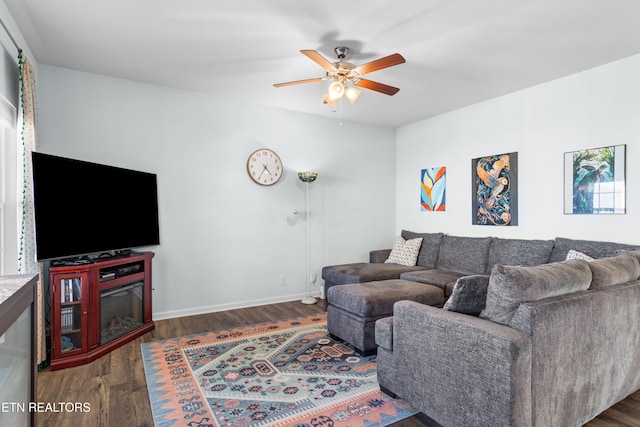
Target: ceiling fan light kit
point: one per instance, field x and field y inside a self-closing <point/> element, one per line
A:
<point x="344" y="76"/>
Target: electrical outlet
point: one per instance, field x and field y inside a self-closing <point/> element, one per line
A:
<point x="283" y="280"/>
<point x="313" y="278"/>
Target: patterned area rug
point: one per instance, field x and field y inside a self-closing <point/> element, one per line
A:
<point x="286" y="373"/>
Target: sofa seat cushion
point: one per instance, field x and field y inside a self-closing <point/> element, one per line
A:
<point x="592" y="248"/>
<point x="613" y="271"/>
<point x="448" y="289"/>
<point x="440" y="278"/>
<point x="519" y="252"/>
<point x="509" y="286"/>
<point x="467" y="255"/>
<point x="374" y="299"/>
<point x="364" y="272"/>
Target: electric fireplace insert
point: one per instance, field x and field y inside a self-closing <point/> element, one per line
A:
<point x="121" y="310"/>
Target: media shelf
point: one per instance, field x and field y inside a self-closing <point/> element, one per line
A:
<point x="98" y="306"/>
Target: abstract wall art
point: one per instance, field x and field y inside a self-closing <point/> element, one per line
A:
<point x="495" y="190"/>
<point x="433" y="189"/>
<point x="594" y="181"/>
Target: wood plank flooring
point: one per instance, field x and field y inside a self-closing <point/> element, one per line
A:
<point x="116" y="390"/>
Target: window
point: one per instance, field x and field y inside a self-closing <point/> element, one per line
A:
<point x="8" y="189"/>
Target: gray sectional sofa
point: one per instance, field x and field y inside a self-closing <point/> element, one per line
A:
<point x="525" y="338"/>
<point x="443" y="258"/>
<point x="554" y="345"/>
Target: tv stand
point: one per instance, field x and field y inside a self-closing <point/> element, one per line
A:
<point x="99" y="306"/>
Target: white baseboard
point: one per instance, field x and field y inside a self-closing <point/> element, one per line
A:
<point x="224" y="307"/>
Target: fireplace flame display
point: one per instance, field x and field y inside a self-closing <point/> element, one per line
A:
<point x="121" y="311"/>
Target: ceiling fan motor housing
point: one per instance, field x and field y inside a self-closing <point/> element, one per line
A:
<point x="344" y="71"/>
<point x="341" y="51"/>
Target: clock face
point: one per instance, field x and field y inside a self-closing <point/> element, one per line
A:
<point x="264" y="166"/>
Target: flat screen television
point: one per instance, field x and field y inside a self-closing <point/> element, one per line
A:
<point x="84" y="208"/>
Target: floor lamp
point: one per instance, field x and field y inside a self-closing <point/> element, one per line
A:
<point x="307" y="178"/>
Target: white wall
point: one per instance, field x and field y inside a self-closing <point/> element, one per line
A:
<point x="595" y="108"/>
<point x="226" y="241"/>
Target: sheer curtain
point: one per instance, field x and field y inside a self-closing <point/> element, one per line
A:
<point x="27" y="262"/>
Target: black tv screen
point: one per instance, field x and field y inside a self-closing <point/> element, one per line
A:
<point x="84" y="208"/>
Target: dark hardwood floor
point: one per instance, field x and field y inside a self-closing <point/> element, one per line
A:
<point x="115" y="386"/>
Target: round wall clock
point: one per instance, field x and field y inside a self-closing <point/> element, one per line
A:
<point x="264" y="166"/>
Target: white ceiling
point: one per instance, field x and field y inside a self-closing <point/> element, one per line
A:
<point x="458" y="52"/>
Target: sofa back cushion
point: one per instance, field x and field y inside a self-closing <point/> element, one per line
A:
<point x="635" y="254"/>
<point x="519" y="252"/>
<point x="590" y="247"/>
<point x="430" y="247"/>
<point x="509" y="286"/>
<point x="467" y="255"/>
<point x="614" y="271"/>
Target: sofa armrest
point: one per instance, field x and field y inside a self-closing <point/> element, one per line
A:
<point x="460" y="369"/>
<point x="384" y="333"/>
<point x="379" y="255"/>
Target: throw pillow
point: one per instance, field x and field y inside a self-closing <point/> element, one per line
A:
<point x="509" y="286"/>
<point x="469" y="295"/>
<point x="573" y="254"/>
<point x="405" y="252"/>
<point x="613" y="271"/>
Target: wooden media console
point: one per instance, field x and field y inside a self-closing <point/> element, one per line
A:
<point x="98" y="306"/>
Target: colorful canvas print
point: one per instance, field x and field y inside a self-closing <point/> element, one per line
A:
<point x="495" y="195"/>
<point x="595" y="181"/>
<point x="433" y="189"/>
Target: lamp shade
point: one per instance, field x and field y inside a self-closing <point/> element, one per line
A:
<point x="307" y="176"/>
<point x="328" y="100"/>
<point x="352" y="94"/>
<point x="336" y="90"/>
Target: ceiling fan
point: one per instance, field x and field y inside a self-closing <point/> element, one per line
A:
<point x="345" y="75"/>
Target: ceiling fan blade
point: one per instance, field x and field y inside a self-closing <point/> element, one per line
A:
<point x="378" y="87"/>
<point x="379" y="64"/>
<point x="299" y="82"/>
<point x="319" y="59"/>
